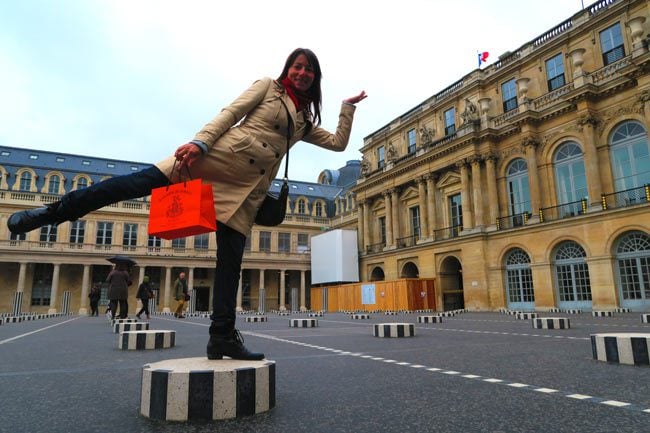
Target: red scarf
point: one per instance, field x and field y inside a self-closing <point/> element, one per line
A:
<point x="300" y="99"/>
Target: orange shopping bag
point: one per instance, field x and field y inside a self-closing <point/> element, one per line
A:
<point x="182" y="209"/>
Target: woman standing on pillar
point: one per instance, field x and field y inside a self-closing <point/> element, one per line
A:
<point x="239" y="152"/>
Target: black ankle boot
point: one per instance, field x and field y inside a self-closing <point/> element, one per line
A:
<point x="230" y="344"/>
<point x="30" y="219"/>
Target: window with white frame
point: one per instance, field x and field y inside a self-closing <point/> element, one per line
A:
<point x="319" y="209"/>
<point x="570" y="177"/>
<point x="178" y="243"/>
<point x="201" y="241"/>
<point x="48" y="233"/>
<point x="77" y="231"/>
<point x="104" y="233"/>
<point x="265" y="241"/>
<point x="518" y="187"/>
<point x="25" y="181"/>
<point x="284" y="242"/>
<point x="415" y="221"/>
<point x="630" y="158"/>
<point x="154" y="243"/>
<point x="303" y="242"/>
<point x="381" y="157"/>
<point x="54" y="184"/>
<point x="82" y="183"/>
<point x="130" y="237"/>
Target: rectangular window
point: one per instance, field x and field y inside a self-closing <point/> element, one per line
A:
<point x="382" y="230"/>
<point x="303" y="242"/>
<point x="555" y="72"/>
<point x="42" y="283"/>
<point x="611" y="43"/>
<point x="130" y="238"/>
<point x="104" y="233"/>
<point x="284" y="242"/>
<point x="201" y="241"/>
<point x="456" y="213"/>
<point x="53" y="185"/>
<point x="16" y="237"/>
<point x="450" y="121"/>
<point x="381" y="157"/>
<point x="154" y="243"/>
<point x="509" y="95"/>
<point x="265" y="241"/>
<point x="411" y="139"/>
<point x="77" y="231"/>
<point x="415" y="221"/>
<point x="178" y="243"/>
<point x="247" y="246"/>
<point x="48" y="234"/>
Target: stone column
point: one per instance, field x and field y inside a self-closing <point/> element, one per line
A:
<point x="240" y="294"/>
<point x="431" y="207"/>
<point x="366" y="224"/>
<point x="395" y="211"/>
<point x="360" y="228"/>
<point x="468" y="216"/>
<point x="530" y="145"/>
<point x="55" y="289"/>
<point x="168" y="286"/>
<point x="390" y="241"/>
<point x="261" y="290"/>
<point x="302" y="291"/>
<point x="422" y="202"/>
<point x="21" y="277"/>
<point x="85" y="281"/>
<point x="282" y="290"/>
<point x="477" y="191"/>
<point x="587" y="124"/>
<point x="490" y="165"/>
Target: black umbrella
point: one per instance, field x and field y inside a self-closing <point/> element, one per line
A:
<point x="122" y="259"/>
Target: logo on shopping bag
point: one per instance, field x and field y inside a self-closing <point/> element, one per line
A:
<point x="175" y="208"/>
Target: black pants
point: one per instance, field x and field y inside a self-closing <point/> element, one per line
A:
<point x="145" y="307"/>
<point x="230" y="251"/>
<point x="94" y="311"/>
<point x="124" y="308"/>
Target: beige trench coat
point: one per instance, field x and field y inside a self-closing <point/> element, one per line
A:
<point x="242" y="160"/>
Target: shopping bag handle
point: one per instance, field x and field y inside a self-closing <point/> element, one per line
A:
<point x="169" y="181"/>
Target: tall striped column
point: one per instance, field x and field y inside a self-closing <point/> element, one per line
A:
<point x="16" y="304"/>
<point x="65" y="303"/>
<point x="261" y="307"/>
<point x="192" y="302"/>
<point x="153" y="302"/>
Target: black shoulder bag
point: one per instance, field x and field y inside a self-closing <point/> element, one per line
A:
<point x="273" y="208"/>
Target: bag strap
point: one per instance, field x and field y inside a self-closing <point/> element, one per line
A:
<point x="169" y="181"/>
<point x="289" y="132"/>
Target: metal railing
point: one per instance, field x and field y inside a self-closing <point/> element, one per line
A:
<point x="564" y="210"/>
<point x="375" y="248"/>
<point x="628" y="197"/>
<point x="511" y="221"/>
<point x="407" y="241"/>
<point x="447" y="233"/>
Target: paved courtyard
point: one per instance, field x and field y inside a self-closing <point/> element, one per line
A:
<point x="475" y="372"/>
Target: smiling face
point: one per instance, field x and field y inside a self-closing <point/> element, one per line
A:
<point x="301" y="73"/>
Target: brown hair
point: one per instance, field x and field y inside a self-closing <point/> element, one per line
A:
<point x="314" y="91"/>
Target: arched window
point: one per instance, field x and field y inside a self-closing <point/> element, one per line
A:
<point x="54" y="184"/>
<point x="572" y="276"/>
<point x="25" y="181"/>
<point x="319" y="209"/>
<point x="519" y="280"/>
<point x="82" y="183"/>
<point x="570" y="179"/>
<point x="630" y="156"/>
<point x="518" y="189"/>
<point x="633" y="266"/>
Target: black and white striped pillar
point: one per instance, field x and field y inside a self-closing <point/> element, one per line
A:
<point x="192" y="303"/>
<point x="261" y="302"/>
<point x="65" y="303"/>
<point x="573" y="311"/>
<point x="393" y="330"/>
<point x="257" y="319"/>
<point x="645" y="318"/>
<point x="602" y="313"/>
<point x="195" y="389"/>
<point x="146" y="340"/>
<point x="303" y="323"/>
<point x="526" y="316"/>
<point x="551" y="323"/>
<point x="622" y="348"/>
<point x="130" y="326"/>
<point x="360" y="316"/>
<point x="17" y="304"/>
<point x="429" y="319"/>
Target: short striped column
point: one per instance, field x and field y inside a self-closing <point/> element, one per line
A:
<point x="526" y="316"/>
<point x="553" y="310"/>
<point x="622" y="348"/>
<point x="622" y="310"/>
<point x="393" y="330"/>
<point x="13" y="319"/>
<point x="194" y="389"/>
<point x="65" y="303"/>
<point x="316" y="314"/>
<point x="429" y="319"/>
<point x="446" y="314"/>
<point x="360" y="316"/>
<point x="114" y="321"/>
<point x="602" y="313"/>
<point x="257" y="319"/>
<point x="573" y="311"/>
<point x="551" y="323"/>
<point x="645" y="318"/>
<point x="303" y="323"/>
<point x="146" y="340"/>
<point x="137" y="326"/>
<point x="391" y="313"/>
<point x="284" y="313"/>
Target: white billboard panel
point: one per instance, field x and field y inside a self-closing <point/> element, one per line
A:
<point x="334" y="257"/>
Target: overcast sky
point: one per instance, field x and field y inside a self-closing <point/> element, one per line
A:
<point x="134" y="79"/>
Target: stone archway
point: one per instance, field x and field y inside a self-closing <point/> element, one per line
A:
<point x="377" y="274"/>
<point x="451" y="284"/>
<point x="410" y="270"/>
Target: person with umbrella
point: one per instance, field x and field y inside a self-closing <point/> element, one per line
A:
<point x="119" y="281"/>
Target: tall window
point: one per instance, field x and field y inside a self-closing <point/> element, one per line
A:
<point x="104" y="233"/>
<point x="77" y="231"/>
<point x="247" y="245"/>
<point x="284" y="242"/>
<point x="25" y="181"/>
<point x="381" y="157"/>
<point x="48" y="234"/>
<point x="42" y="283"/>
<point x="303" y="242"/>
<point x="16" y="237"/>
<point x="154" y="243"/>
<point x="82" y="183"/>
<point x="201" y="241"/>
<point x="455" y="212"/>
<point x="509" y="95"/>
<point x="630" y="156"/>
<point x="519" y="280"/>
<point x="555" y="72"/>
<point x="411" y="139"/>
<point x="611" y="43"/>
<point x="302" y="207"/>
<point x="633" y="262"/>
<point x="265" y="241"/>
<point x="570" y="177"/>
<point x="518" y="188"/>
<point x="54" y="184"/>
<point x="415" y="221"/>
<point x="130" y="238"/>
<point x="382" y="230"/>
<point x="319" y="209"/>
<point x="178" y="243"/>
<point x="572" y="274"/>
<point x="450" y="121"/>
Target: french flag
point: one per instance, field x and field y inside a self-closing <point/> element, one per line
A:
<point x="482" y="57"/>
